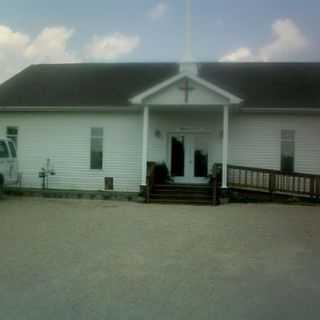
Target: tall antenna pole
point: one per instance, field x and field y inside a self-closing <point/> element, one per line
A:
<point x="188" y="31"/>
<point x="188" y="64"/>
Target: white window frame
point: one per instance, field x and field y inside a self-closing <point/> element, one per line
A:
<point x="288" y="136"/>
<point x="97" y="137"/>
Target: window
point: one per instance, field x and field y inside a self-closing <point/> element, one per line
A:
<point x="4" y="152"/>
<point x="12" y="133"/>
<point x="12" y="149"/>
<point x="96" y="148"/>
<point x="287" y="150"/>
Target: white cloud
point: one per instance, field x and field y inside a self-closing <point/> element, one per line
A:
<point x="288" y="39"/>
<point x="10" y="40"/>
<point x="11" y="44"/>
<point x="18" y="50"/>
<point x="51" y="46"/>
<point x="111" y="47"/>
<point x="288" y="43"/>
<point x="241" y="54"/>
<point x="158" y="11"/>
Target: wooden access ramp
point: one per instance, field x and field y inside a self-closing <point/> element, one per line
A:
<point x="274" y="182"/>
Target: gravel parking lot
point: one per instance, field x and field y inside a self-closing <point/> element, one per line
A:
<point x="67" y="259"/>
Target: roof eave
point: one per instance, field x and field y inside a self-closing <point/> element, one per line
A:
<point x="106" y="108"/>
<point x="280" y="109"/>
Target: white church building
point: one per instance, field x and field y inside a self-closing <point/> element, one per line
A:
<point x="97" y="121"/>
<point x="99" y="125"/>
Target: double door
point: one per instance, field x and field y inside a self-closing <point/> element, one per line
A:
<point x="189" y="157"/>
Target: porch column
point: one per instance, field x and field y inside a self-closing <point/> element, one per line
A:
<point x="225" y="147"/>
<point x="145" y="133"/>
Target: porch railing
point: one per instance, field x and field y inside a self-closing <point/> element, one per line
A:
<point x="273" y="181"/>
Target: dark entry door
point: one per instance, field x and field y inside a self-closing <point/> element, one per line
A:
<point x="188" y="157"/>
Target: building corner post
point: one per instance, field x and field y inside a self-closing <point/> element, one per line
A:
<point x="145" y="133"/>
<point x="225" y="146"/>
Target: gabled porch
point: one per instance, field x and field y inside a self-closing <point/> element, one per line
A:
<point x="186" y="127"/>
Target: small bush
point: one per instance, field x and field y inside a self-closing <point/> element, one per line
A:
<point x="161" y="174"/>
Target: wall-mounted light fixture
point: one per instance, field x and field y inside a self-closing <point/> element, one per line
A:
<point x="157" y="134"/>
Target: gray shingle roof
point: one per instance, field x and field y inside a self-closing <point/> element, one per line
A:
<point x="259" y="84"/>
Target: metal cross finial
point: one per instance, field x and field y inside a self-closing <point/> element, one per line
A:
<point x="187" y="88"/>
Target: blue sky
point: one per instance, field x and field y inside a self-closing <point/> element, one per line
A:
<point x="34" y="31"/>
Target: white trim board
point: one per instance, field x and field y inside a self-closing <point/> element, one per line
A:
<point x="139" y="99"/>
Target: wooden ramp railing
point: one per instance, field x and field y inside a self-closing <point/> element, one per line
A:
<point x="273" y="181"/>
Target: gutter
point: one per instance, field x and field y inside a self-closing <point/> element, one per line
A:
<point x="70" y="109"/>
<point x="280" y="110"/>
<point x="137" y="108"/>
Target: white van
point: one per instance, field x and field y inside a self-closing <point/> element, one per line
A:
<point x="8" y="163"/>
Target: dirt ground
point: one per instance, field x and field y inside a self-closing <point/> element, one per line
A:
<point x="67" y="259"/>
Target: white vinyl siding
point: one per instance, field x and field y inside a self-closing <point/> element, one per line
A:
<point x="255" y="140"/>
<point x="173" y="95"/>
<point x="65" y="138"/>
